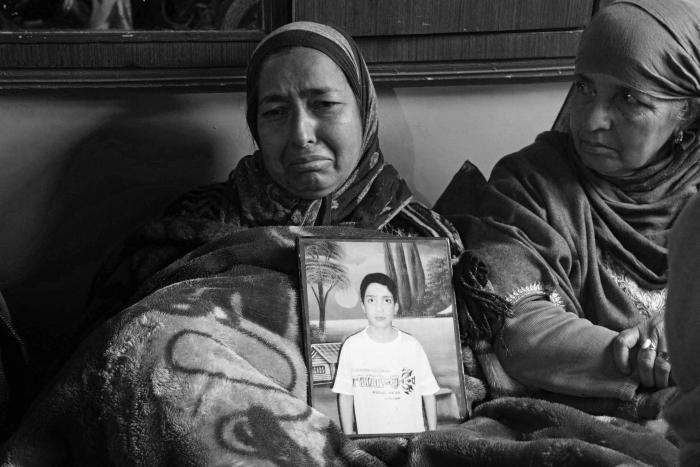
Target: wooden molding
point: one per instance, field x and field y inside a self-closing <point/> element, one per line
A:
<point x="418" y="53"/>
<point x="471" y="73"/>
<point x="233" y="79"/>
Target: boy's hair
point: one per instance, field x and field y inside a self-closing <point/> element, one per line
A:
<point x="378" y="278"/>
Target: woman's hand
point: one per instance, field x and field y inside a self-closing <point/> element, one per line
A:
<point x="647" y="404"/>
<point x="651" y="404"/>
<point x="643" y="348"/>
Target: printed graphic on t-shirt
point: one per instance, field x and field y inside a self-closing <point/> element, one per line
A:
<point x="404" y="381"/>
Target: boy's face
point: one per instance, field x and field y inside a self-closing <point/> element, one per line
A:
<point x="379" y="306"/>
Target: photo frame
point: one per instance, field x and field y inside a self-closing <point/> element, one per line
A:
<point x="358" y="350"/>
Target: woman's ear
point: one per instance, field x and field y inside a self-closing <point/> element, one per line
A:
<point x="690" y="113"/>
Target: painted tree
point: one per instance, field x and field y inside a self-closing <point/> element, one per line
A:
<point x="405" y="267"/>
<point x="438" y="294"/>
<point x="325" y="272"/>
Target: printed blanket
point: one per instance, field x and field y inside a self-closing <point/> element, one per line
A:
<point x="208" y="369"/>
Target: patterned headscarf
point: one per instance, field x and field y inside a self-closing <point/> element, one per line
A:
<point x="372" y="194"/>
<point x="651" y="45"/>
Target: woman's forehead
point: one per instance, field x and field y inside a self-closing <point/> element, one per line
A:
<point x="611" y="81"/>
<point x="303" y="69"/>
<point x="604" y="78"/>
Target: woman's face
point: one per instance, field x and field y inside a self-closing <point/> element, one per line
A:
<point x="309" y="124"/>
<point x="617" y="130"/>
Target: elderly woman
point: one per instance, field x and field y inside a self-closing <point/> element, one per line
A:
<point x="574" y="228"/>
<point x="312" y="110"/>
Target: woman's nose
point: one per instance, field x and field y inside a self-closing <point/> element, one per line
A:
<point x="596" y="116"/>
<point x="303" y="128"/>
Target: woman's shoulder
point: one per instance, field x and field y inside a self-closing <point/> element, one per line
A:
<point x="211" y="201"/>
<point x="418" y="220"/>
<point x="544" y="166"/>
<point x="219" y="201"/>
<point x="548" y="155"/>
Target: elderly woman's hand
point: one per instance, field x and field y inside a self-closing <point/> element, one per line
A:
<point x="647" y="404"/>
<point x="643" y="348"/>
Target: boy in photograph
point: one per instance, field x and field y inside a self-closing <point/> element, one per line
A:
<point x="383" y="376"/>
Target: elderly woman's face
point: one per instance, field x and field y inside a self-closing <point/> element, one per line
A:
<point x="309" y="124"/>
<point x="617" y="130"/>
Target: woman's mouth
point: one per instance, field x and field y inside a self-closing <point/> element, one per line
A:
<point x="310" y="163"/>
<point x="595" y="148"/>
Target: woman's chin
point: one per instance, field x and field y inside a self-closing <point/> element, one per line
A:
<point x="605" y="166"/>
<point x="312" y="187"/>
<point x="607" y="171"/>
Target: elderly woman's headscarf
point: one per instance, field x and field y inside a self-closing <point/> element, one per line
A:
<point x="652" y="45"/>
<point x="373" y="193"/>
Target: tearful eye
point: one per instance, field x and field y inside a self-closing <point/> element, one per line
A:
<point x="629" y="98"/>
<point x="324" y="105"/>
<point x="632" y="103"/>
<point x="584" y="88"/>
<point x="272" y="113"/>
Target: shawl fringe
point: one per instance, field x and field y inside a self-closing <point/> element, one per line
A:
<point x="482" y="313"/>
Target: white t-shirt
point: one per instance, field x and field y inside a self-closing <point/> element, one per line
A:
<point x="387" y="381"/>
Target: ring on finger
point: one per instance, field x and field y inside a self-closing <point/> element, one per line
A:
<point x="649" y="345"/>
<point x="663" y="356"/>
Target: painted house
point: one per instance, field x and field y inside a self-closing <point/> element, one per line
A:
<point x="324" y="361"/>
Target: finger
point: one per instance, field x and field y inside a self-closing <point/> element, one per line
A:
<point x="622" y="344"/>
<point x="658" y="335"/>
<point x="645" y="363"/>
<point x="662" y="369"/>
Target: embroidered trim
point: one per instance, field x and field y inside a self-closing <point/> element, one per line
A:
<point x="531" y="290"/>
<point x="556" y="299"/>
<point x="647" y="302"/>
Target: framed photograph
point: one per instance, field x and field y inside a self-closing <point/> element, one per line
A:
<point x="381" y="336"/>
